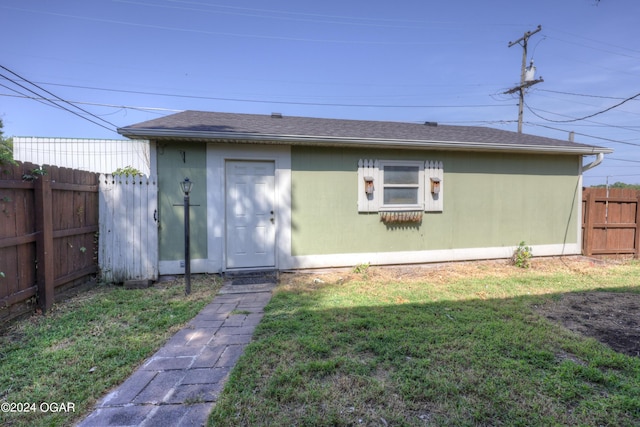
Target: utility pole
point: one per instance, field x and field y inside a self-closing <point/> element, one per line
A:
<point x="524" y="81"/>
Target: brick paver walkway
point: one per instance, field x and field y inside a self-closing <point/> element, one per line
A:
<point x="179" y="385"/>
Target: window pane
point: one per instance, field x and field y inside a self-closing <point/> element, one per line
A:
<point x="400" y="196"/>
<point x="401" y="174"/>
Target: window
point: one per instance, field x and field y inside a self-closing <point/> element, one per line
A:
<point x="401" y="184"/>
<point x="398" y="185"/>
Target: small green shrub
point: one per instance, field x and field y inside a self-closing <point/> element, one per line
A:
<point x="522" y="256"/>
<point x="128" y="170"/>
<point x="361" y="268"/>
<point x="33" y="174"/>
<point x="6" y="155"/>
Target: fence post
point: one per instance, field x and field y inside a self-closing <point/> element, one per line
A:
<point x="637" y="240"/>
<point x="44" y="241"/>
<point x="588" y="224"/>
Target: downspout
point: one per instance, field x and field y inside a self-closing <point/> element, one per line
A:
<point x="599" y="158"/>
<point x="596" y="162"/>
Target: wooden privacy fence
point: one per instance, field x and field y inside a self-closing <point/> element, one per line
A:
<point x="48" y="226"/>
<point x="128" y="228"/>
<point x="610" y="221"/>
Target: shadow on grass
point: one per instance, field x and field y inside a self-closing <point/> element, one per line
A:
<point x="472" y="362"/>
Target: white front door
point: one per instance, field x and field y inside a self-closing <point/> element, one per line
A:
<point x="250" y="216"/>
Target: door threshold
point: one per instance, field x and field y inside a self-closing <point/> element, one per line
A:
<point x="251" y="277"/>
<point x="249" y="271"/>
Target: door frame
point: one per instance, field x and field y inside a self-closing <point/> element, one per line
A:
<point x="269" y="256"/>
<point x="217" y="157"/>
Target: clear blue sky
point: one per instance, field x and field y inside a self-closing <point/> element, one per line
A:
<point x="126" y="61"/>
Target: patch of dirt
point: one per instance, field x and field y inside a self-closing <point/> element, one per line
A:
<point x="445" y="272"/>
<point x="612" y="318"/>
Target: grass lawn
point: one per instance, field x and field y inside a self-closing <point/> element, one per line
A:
<point x="458" y="345"/>
<point x="88" y="345"/>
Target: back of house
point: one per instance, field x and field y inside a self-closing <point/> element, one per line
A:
<point x="280" y="192"/>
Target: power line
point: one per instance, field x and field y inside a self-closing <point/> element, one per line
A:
<point x="411" y="86"/>
<point x="301" y="16"/>
<point x="594" y="48"/>
<point x="52" y="94"/>
<point x="283" y="12"/>
<point x="160" y="109"/>
<point x="623" y="160"/>
<point x="593" y="40"/>
<point x="486" y="122"/>
<point x="587" y="135"/>
<point x="585" y="117"/>
<point x="241" y="35"/>
<point x="616" y="175"/>
<point x="55" y="104"/>
<point x="590" y="104"/>
<point x="631" y="128"/>
<point x="22" y="95"/>
<point x="281" y="15"/>
<point x="577" y="94"/>
<point x="96" y="104"/>
<point x="491" y="122"/>
<point x="211" y="98"/>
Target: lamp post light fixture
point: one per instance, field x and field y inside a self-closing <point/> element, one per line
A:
<point x="186" y="186"/>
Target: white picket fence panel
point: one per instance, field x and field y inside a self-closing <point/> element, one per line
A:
<point x="128" y="242"/>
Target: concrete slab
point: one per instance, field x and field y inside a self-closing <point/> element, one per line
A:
<point x="234" y="329"/>
<point x="247" y="289"/>
<point x="210" y="314"/>
<point x="234" y="320"/>
<point x="196" y="393"/>
<point x="208" y="357"/>
<point x="178" y="351"/>
<point x="160" y="388"/>
<point x="230" y="356"/>
<point x="117" y="416"/>
<point x="253" y="319"/>
<point x="197" y="415"/>
<point x="166" y="416"/>
<point x="205" y="323"/>
<point x="129" y="389"/>
<point x="205" y="376"/>
<point x="157" y="363"/>
<point x="192" y="337"/>
<point x="229" y="339"/>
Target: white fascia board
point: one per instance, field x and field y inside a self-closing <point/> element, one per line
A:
<point x="357" y="142"/>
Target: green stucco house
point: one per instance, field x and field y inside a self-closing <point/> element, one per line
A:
<point x="279" y="192"/>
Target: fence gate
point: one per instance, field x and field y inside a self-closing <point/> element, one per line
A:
<point x="610" y="222"/>
<point x="128" y="228"/>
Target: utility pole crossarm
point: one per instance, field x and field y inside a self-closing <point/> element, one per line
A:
<point x="526" y="36"/>
<point x="524" y="86"/>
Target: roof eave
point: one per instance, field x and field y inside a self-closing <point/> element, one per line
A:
<point x="162" y="134"/>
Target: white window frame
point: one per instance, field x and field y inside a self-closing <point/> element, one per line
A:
<point x="429" y="170"/>
<point x="419" y="185"/>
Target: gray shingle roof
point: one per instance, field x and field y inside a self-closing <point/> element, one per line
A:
<point x="214" y="126"/>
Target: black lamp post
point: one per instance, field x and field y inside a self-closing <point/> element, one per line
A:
<point x="186" y="189"/>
